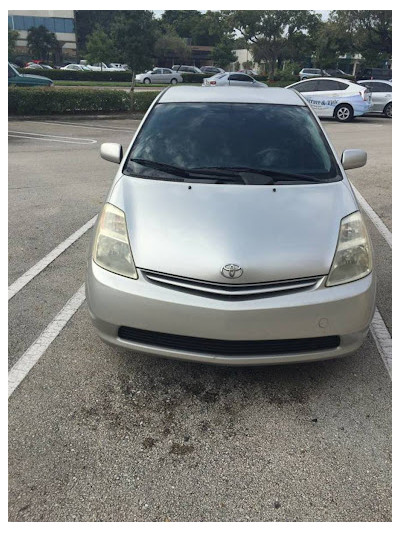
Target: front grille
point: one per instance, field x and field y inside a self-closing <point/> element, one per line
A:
<point x="223" y="347"/>
<point x="231" y="290"/>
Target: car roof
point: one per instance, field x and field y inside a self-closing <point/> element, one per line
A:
<point x="375" y="81"/>
<point x="248" y="95"/>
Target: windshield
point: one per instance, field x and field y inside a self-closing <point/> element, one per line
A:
<point x="241" y="137"/>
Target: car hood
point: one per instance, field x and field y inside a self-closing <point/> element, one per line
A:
<point x="35" y="77"/>
<point x="193" y="230"/>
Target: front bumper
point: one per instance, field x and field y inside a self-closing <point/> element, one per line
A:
<point x="345" y="310"/>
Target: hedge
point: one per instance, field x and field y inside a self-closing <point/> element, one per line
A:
<point x="47" y="101"/>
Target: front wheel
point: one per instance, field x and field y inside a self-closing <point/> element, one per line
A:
<point x="147" y="81"/>
<point x="174" y="81"/>
<point x="344" y="113"/>
<point x="388" y="110"/>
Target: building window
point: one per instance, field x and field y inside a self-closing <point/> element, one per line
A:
<point x="54" y="24"/>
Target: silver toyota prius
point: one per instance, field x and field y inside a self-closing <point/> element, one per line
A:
<point x="231" y="234"/>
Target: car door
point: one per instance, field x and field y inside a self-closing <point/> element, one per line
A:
<point x="309" y="89"/>
<point x="329" y="94"/>
<point x="381" y="95"/>
<point x="240" y="80"/>
<point x="166" y="75"/>
<point x="156" y="75"/>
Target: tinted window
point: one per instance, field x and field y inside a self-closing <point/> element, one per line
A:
<point x="381" y="88"/>
<point x="240" y="77"/>
<point x="167" y="71"/>
<point x="283" y="138"/>
<point x="157" y="71"/>
<point x="305" y="86"/>
<point x="330" y="85"/>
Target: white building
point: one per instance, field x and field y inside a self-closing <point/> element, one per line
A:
<point x="244" y="56"/>
<point x="60" y="22"/>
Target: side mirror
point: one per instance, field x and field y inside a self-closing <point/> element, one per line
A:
<point x="354" y="159"/>
<point x="111" y="152"/>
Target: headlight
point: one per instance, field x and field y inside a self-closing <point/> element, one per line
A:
<point x="353" y="258"/>
<point x="111" y="249"/>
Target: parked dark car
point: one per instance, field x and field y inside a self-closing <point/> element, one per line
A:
<point x="337" y="73"/>
<point x="375" y="74"/>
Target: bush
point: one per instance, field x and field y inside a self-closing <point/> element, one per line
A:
<point x="47" y="101"/>
<point x="79" y="75"/>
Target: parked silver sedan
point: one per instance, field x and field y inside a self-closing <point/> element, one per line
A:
<point x="232" y="237"/>
<point x="381" y="91"/>
<point x="159" y="75"/>
<point x="235" y="79"/>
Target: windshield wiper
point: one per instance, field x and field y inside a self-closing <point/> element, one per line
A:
<point x="220" y="175"/>
<point x="280" y="175"/>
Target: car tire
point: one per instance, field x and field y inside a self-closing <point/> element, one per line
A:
<point x="147" y="81"/>
<point x="344" y="113"/>
<point x="174" y="81"/>
<point x="388" y="110"/>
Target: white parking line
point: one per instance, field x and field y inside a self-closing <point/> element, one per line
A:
<point x="32" y="355"/>
<point x="43" y="263"/>
<point x="75" y="125"/>
<point x="380" y="226"/>
<point x="52" y="138"/>
<point x="383" y="340"/>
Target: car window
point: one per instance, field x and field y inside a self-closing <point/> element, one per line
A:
<point x="305" y="86"/>
<point x="240" y="77"/>
<point x="157" y="71"/>
<point x="381" y="87"/>
<point x="167" y="71"/>
<point x="327" y="85"/>
<point x="283" y="138"/>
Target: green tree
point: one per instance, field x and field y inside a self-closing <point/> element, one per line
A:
<point x="223" y="54"/>
<point x="171" y="46"/>
<point x="100" y="47"/>
<point x="270" y="33"/>
<point x="86" y="21"/>
<point x="12" y="42"/>
<point x="331" y="40"/>
<point x="369" y="33"/>
<point x="184" y="22"/>
<point x="134" y="34"/>
<point x="42" y="43"/>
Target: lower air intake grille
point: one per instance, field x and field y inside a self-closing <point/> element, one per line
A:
<point x="223" y="347"/>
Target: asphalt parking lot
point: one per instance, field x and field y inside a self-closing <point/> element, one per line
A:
<point x="97" y="434"/>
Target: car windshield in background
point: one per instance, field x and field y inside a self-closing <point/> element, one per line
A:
<point x="280" y="141"/>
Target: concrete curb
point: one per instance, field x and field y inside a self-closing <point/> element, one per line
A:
<point x="67" y="118"/>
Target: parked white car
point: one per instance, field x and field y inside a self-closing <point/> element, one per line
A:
<point x="119" y="66"/>
<point x="159" y="75"/>
<point x="381" y="91"/>
<point x="335" y="97"/>
<point x="102" y="67"/>
<point x="234" y="79"/>
<point x="74" y="66"/>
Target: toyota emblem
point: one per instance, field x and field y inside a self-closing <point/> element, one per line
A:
<point x="231" y="271"/>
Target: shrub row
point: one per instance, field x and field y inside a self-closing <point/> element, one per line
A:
<point x="47" y="100"/>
